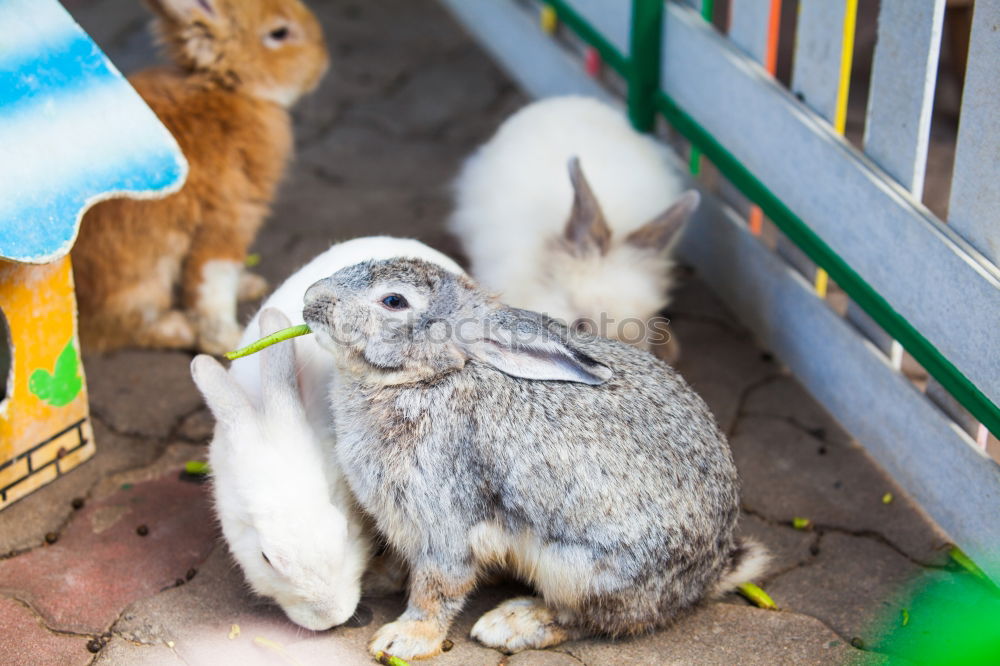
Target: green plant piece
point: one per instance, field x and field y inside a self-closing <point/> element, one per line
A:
<point x="905" y="616"/>
<point x="196" y="467"/>
<point x="757" y="596"/>
<point x="887" y="498"/>
<point x="252" y="260"/>
<point x="964" y="561"/>
<point x="63" y="384"/>
<point x="801" y="523"/>
<point x="389" y="660"/>
<point x="267" y="341"/>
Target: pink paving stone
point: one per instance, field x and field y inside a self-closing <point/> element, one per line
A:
<point x="100" y="564"/>
<point x="21" y="634"/>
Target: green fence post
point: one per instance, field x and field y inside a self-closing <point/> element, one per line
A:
<point x="644" y="63"/>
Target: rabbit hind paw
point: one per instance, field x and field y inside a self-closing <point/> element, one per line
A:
<point x="522" y="623"/>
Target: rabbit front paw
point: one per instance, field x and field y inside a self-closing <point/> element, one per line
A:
<point x="522" y="623"/>
<point x="408" y="639"/>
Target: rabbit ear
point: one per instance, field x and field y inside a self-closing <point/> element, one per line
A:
<point x="227" y="399"/>
<point x="586" y="226"/>
<point x="661" y="230"/>
<point x="191" y="29"/>
<point x="522" y="346"/>
<point x="186" y="11"/>
<point x="279" y="387"/>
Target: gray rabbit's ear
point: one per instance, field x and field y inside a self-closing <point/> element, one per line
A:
<point x="534" y="353"/>
<point x="586" y="226"/>
<point x="227" y="399"/>
<point x="658" y="233"/>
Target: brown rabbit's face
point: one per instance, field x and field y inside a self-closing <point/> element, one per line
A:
<point x="274" y="49"/>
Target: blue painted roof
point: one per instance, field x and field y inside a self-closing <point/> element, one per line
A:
<point x="72" y="132"/>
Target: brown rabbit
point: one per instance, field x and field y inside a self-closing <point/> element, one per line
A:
<point x="167" y="273"/>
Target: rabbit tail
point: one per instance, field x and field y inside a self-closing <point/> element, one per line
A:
<point x="748" y="560"/>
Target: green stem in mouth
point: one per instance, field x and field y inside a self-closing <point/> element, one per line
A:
<point x="274" y="338"/>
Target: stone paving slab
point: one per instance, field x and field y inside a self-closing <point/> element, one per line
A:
<point x="34" y="640"/>
<point x="788" y="472"/>
<point x="127" y="546"/>
<point x="24" y="524"/>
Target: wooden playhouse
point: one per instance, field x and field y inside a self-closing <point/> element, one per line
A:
<point x="72" y="132"/>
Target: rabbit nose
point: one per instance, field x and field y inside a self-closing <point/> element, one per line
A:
<point x="321" y="291"/>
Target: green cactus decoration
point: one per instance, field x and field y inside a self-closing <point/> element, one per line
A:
<point x="59" y="387"/>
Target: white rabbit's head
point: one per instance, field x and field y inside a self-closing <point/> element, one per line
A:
<point x="594" y="281"/>
<point x="295" y="540"/>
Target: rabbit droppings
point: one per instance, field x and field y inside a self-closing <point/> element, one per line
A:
<point x="238" y="65"/>
<point x="589" y="250"/>
<point x="478" y="434"/>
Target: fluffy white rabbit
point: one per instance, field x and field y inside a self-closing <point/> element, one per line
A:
<point x="294" y="535"/>
<point x="286" y="511"/>
<point x="586" y="248"/>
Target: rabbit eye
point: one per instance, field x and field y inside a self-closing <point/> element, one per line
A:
<point x="582" y="326"/>
<point x="279" y="34"/>
<point x="395" y="302"/>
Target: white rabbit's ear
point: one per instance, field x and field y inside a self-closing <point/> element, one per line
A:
<point x="520" y="345"/>
<point x="279" y="387"/>
<point x="227" y="399"/>
<point x="586" y="227"/>
<point x="658" y="233"/>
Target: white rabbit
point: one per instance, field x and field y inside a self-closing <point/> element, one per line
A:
<point x="604" y="263"/>
<point x="290" y="530"/>
<point x="278" y="490"/>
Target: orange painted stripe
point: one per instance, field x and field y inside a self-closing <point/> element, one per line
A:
<point x="773" y="32"/>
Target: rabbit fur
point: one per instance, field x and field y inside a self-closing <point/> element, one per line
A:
<point x="291" y="530"/>
<point x="276" y="482"/>
<point x="478" y="434"/>
<point x="593" y="252"/>
<point x="314" y="365"/>
<point x="237" y="66"/>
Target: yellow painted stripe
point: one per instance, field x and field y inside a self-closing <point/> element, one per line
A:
<point x="846" y="60"/>
<point x="548" y="19"/>
<point x="843" y="92"/>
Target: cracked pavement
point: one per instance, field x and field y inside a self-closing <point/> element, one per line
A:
<point x="121" y="562"/>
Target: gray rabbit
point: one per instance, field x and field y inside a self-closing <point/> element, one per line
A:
<point x="480" y="435"/>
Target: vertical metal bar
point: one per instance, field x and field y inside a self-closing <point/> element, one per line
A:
<point x="644" y="62"/>
<point x="975" y="185"/>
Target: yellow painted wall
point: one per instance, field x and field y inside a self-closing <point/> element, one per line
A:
<point x="39" y="305"/>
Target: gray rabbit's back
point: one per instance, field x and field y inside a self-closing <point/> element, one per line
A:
<point x="631" y="477"/>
